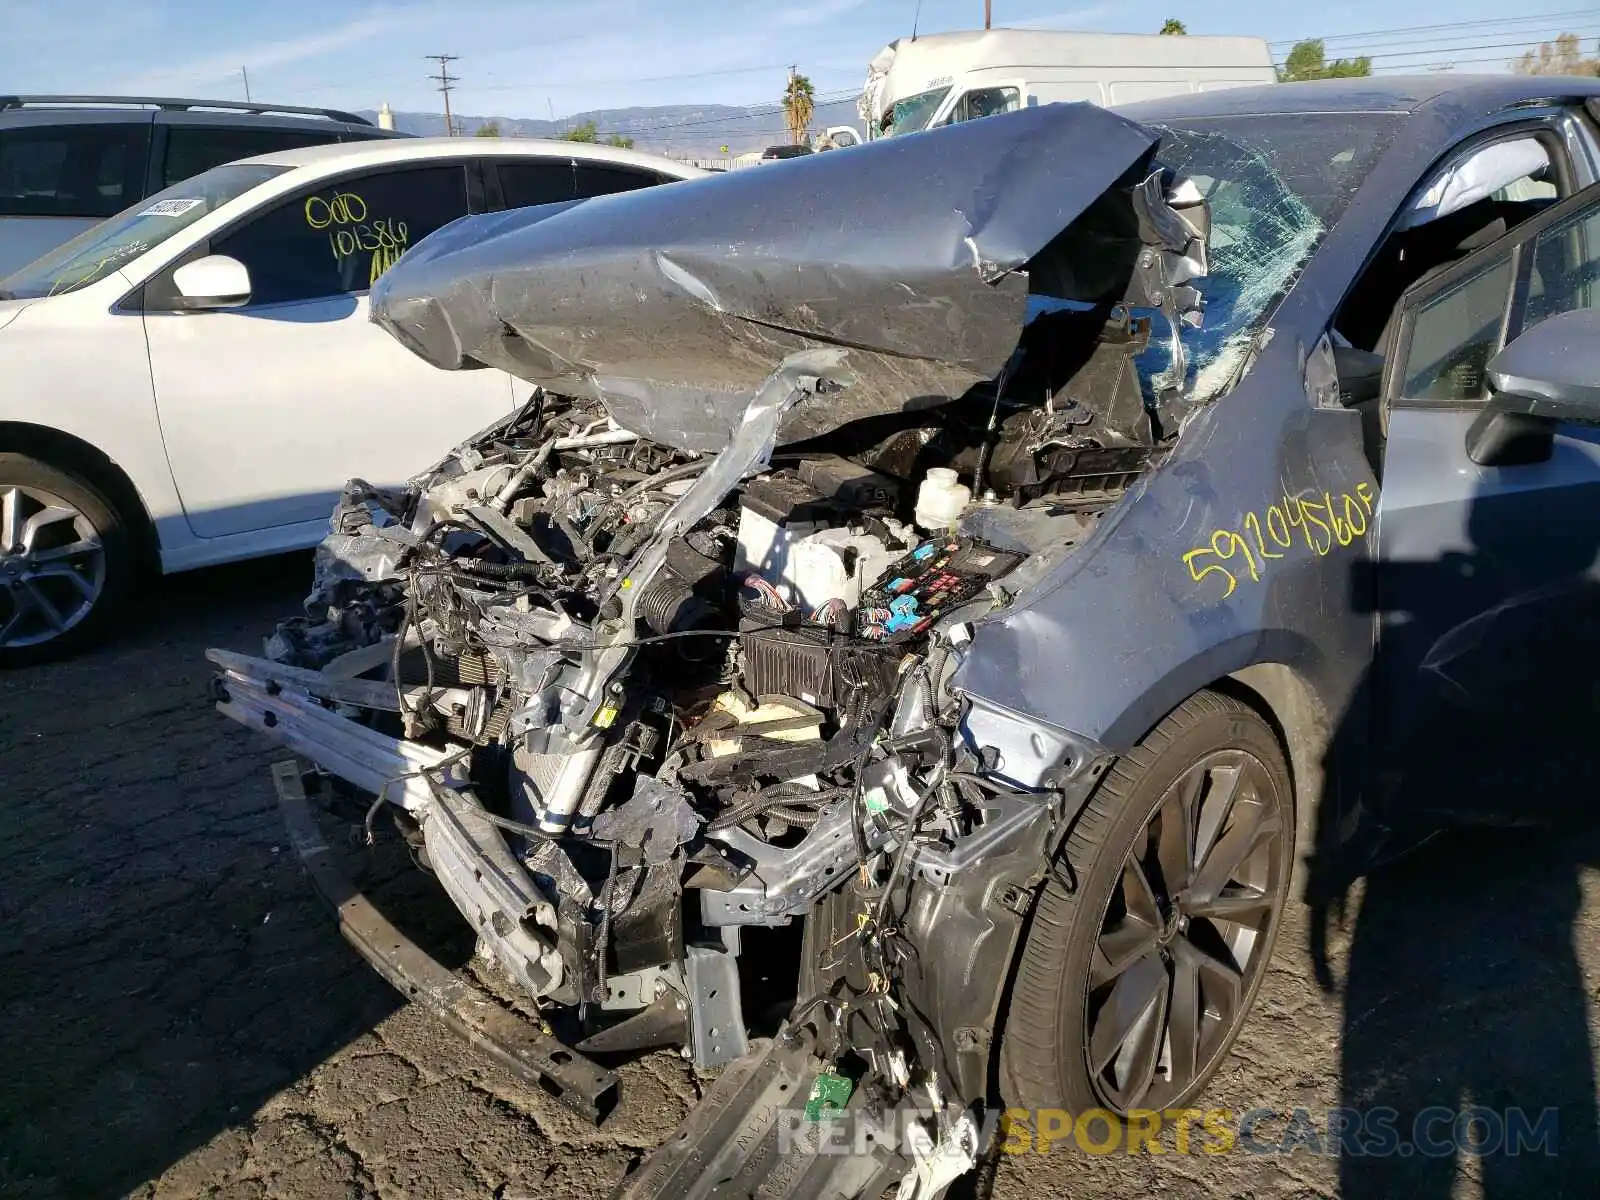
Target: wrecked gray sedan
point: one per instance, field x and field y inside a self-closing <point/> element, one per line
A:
<point x="955" y="547"/>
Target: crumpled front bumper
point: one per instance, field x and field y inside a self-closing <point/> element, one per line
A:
<point x="523" y="1048"/>
<point x="750" y="1134"/>
<point x="514" y="921"/>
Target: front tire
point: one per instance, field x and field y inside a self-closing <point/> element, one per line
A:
<point x="67" y="562"/>
<point x="1132" y="986"/>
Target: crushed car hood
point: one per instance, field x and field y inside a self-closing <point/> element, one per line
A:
<point x="672" y="304"/>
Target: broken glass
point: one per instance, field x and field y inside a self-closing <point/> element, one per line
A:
<point x="1275" y="186"/>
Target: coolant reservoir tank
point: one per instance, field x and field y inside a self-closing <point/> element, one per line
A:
<point x="940" y="500"/>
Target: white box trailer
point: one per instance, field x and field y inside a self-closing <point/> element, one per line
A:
<point x="940" y="78"/>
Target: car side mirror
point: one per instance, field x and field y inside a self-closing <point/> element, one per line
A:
<point x="1548" y="376"/>
<point x="1360" y="374"/>
<point x="215" y="281"/>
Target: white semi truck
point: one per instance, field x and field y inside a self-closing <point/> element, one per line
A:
<point x="937" y="79"/>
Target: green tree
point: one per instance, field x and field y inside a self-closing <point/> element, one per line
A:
<point x="1562" y="57"/>
<point x="590" y="132"/>
<point x="489" y="128"/>
<point x="1308" y="60"/>
<point x="799" y="103"/>
<point x="1174" y="26"/>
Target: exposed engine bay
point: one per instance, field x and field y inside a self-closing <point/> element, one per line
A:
<point x="629" y="700"/>
<point x="620" y="700"/>
<point x="664" y="716"/>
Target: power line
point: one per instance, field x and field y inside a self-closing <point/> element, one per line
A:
<point x="1399" y="45"/>
<point x="1436" y="51"/>
<point x="446" y="82"/>
<point x="1541" y="19"/>
<point x="1446" y="61"/>
<point x="1429" y="56"/>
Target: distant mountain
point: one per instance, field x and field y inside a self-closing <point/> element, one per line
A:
<point x="683" y="130"/>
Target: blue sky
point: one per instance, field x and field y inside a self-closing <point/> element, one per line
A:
<point x="525" y="59"/>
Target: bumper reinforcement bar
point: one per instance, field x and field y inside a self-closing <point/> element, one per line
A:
<point x="515" y="1043"/>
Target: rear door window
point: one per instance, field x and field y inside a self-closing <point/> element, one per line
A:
<point x="192" y="149"/>
<point x="537" y="181"/>
<point x="602" y="179"/>
<point x="89" y="170"/>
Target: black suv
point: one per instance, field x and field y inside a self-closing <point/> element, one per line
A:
<point x="69" y="161"/>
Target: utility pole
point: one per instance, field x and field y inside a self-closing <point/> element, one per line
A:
<point x="246" y="75"/>
<point x="988" y="12"/>
<point x="446" y="82"/>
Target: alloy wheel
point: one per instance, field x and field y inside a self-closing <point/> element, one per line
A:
<point x="52" y="566"/>
<point x="1182" y="939"/>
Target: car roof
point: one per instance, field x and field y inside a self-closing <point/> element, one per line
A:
<point x="36" y="109"/>
<point x="349" y="155"/>
<point x="1372" y="93"/>
<point x="1399" y="94"/>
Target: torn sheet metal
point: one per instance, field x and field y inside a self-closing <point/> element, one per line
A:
<point x="653" y="823"/>
<point x="673" y="304"/>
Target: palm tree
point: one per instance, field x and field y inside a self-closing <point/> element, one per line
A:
<point x="799" y="102"/>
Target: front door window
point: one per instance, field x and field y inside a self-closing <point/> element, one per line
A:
<point x="341" y="237"/>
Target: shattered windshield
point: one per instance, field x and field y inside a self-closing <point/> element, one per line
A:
<point x="117" y="241"/>
<point x="914" y="112"/>
<point x="1276" y="184"/>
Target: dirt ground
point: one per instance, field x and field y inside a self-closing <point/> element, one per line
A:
<point x="179" y="1016"/>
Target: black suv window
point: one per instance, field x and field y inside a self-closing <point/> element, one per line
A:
<point x="601" y="179"/>
<point x="549" y="181"/>
<point x="342" y="236"/>
<point x="195" y="148"/>
<point x="537" y="181"/>
<point x="88" y="170"/>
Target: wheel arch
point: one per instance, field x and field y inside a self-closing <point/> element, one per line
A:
<point x="1277" y="680"/>
<point x="68" y="453"/>
<point x="1304" y="727"/>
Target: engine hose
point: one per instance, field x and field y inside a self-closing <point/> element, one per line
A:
<point x="670" y="475"/>
<point x="929" y="673"/>
<point x="765" y="801"/>
<point x="669" y="605"/>
<point x="491" y="570"/>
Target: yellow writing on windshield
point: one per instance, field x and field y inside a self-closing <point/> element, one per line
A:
<point x="110" y="262"/>
<point x="1321" y="523"/>
<point x="345" y="218"/>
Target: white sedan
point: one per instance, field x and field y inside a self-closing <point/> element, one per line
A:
<point x="192" y="382"/>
